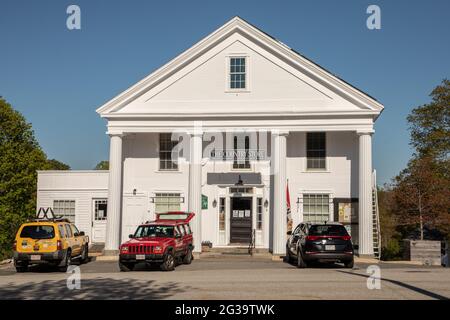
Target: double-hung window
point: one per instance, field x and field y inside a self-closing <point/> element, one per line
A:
<point x="316" y="151"/>
<point x="316" y="207"/>
<point x="238" y="73"/>
<point x="166" y="202"/>
<point x="65" y="209"/>
<point x="166" y="157"/>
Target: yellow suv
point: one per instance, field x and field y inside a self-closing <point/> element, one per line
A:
<point x="53" y="241"/>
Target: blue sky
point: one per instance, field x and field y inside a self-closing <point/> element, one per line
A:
<point x="57" y="78"/>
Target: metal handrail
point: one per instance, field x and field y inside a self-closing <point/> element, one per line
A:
<point x="252" y="243"/>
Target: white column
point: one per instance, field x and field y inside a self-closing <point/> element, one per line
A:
<point x="365" y="194"/>
<point x="195" y="188"/>
<point x="113" y="225"/>
<point x="279" y="192"/>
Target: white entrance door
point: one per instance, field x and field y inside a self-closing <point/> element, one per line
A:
<point x="135" y="212"/>
<point x="100" y="213"/>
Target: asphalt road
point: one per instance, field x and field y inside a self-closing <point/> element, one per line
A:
<point x="227" y="278"/>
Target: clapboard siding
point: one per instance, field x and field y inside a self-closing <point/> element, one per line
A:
<point x="73" y="185"/>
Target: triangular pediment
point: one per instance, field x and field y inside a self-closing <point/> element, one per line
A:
<point x="278" y="81"/>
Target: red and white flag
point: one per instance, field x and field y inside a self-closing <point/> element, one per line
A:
<point x="288" y="207"/>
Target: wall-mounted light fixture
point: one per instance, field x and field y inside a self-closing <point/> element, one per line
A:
<point x="214" y="203"/>
<point x="266" y="203"/>
<point x="134" y="192"/>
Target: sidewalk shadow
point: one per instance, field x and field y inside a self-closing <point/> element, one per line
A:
<point x="404" y="285"/>
<point x="98" y="288"/>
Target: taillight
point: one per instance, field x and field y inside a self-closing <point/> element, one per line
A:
<point x="59" y="245"/>
<point x="15" y="245"/>
<point x="311" y="238"/>
<point x="346" y="238"/>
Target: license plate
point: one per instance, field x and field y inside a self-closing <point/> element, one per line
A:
<point x="35" y="257"/>
<point x="330" y="247"/>
<point x="140" y="257"/>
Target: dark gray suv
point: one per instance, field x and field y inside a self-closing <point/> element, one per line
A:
<point x="321" y="242"/>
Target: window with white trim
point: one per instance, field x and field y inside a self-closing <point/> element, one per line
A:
<point x="241" y="156"/>
<point x="221" y="214"/>
<point x="166" y="202"/>
<point x="259" y="213"/>
<point x="65" y="209"/>
<point x="237" y="73"/>
<point x="316" y="207"/>
<point x="100" y="209"/>
<point x="166" y="145"/>
<point x="316" y="150"/>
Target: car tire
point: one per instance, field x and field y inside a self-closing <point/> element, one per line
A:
<point x="67" y="260"/>
<point x="169" y="262"/>
<point x="349" y="264"/>
<point x="300" y="262"/>
<point x="187" y="259"/>
<point x="125" y="267"/>
<point x="21" y="267"/>
<point x="288" y="257"/>
<point x="85" y="254"/>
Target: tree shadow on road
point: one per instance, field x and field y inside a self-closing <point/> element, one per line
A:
<point x="98" y="288"/>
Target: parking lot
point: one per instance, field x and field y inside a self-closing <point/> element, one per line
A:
<point x="228" y="278"/>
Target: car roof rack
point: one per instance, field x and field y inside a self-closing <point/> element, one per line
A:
<point x="43" y="215"/>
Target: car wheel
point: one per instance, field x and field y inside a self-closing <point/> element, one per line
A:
<point x="349" y="264"/>
<point x="125" y="267"/>
<point x="21" y="267"/>
<point x="169" y="262"/>
<point x="288" y="257"/>
<point x="300" y="262"/>
<point x="187" y="259"/>
<point x="85" y="254"/>
<point x="66" y="262"/>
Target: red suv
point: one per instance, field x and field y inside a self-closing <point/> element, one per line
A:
<point x="165" y="241"/>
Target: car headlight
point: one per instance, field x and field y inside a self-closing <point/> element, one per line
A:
<point x="158" y="249"/>
<point x="125" y="249"/>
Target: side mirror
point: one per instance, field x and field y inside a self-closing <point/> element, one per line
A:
<point x="289" y="233"/>
<point x="81" y="233"/>
<point x="131" y="236"/>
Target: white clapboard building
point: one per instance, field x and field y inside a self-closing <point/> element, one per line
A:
<point x="226" y="130"/>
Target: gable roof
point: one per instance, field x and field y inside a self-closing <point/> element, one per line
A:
<point x="239" y="25"/>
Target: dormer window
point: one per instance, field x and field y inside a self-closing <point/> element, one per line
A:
<point x="238" y="73"/>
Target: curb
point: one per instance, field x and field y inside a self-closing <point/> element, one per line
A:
<point x="6" y="261"/>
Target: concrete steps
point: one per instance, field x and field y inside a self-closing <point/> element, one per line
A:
<point x="230" y="252"/>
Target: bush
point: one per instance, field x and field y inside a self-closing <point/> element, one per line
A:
<point x="392" y="250"/>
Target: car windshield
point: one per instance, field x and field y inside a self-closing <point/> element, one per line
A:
<point x="38" y="232"/>
<point x="327" y="230"/>
<point x="154" y="231"/>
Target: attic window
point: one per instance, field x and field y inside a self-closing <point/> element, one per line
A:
<point x="237" y="73"/>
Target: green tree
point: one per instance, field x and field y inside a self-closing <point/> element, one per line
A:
<point x="20" y="158"/>
<point x="102" y="165"/>
<point x="54" y="164"/>
<point x="430" y="125"/>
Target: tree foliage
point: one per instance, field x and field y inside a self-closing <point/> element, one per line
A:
<point x="430" y="125"/>
<point x="419" y="196"/>
<point x="20" y="158"/>
<point x="422" y="196"/>
<point x="54" y="164"/>
<point x="102" y="165"/>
